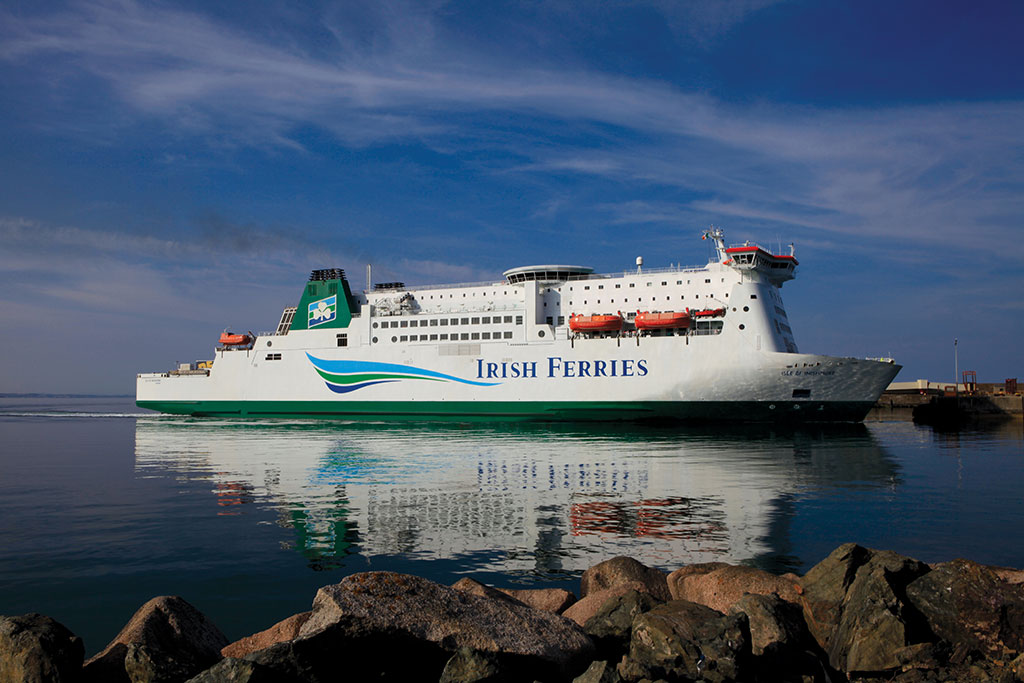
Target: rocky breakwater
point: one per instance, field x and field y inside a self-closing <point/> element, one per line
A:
<point x="859" y="614"/>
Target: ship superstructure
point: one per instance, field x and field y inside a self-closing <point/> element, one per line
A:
<point x="549" y="342"/>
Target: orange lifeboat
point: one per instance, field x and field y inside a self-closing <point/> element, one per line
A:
<point x="595" y="323"/>
<point x="662" y="321"/>
<point x="709" y="313"/>
<point x="229" y="339"/>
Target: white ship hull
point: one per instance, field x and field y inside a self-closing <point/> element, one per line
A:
<point x="503" y="350"/>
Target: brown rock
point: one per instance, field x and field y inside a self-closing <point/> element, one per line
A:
<point x="37" y="649"/>
<point x="421" y="611"/>
<point x="1009" y="575"/>
<point x="620" y="570"/>
<point x="689" y="570"/>
<point x="166" y="632"/>
<point x="555" y="600"/>
<point x="286" y="629"/>
<point x="723" y="586"/>
<point x="474" y="587"/>
<point x="1017" y="667"/>
<point x="582" y="610"/>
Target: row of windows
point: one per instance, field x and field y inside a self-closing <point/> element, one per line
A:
<point x="664" y="283"/>
<point x="451" y="296"/>
<point x="463" y="336"/>
<point x="640" y="300"/>
<point x="442" y="322"/>
<point x="272" y="356"/>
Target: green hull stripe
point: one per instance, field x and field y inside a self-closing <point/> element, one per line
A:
<point x="366" y="377"/>
<point x="727" y="411"/>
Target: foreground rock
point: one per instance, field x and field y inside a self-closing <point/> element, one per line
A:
<point x="854" y="603"/>
<point x="584" y="609"/>
<point x="167" y="639"/>
<point x="240" y="671"/>
<point x="555" y="600"/>
<point x="624" y="570"/>
<point x="611" y="628"/>
<point x="860" y="614"/>
<point x="474" y="587"/>
<point x="37" y="649"/>
<point x="682" y="640"/>
<point x="280" y="632"/>
<point x="971" y="607"/>
<point x="722" y="585"/>
<point x="436" y="621"/>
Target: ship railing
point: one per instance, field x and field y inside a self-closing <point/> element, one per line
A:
<point x="570" y="278"/>
<point x="763" y="248"/>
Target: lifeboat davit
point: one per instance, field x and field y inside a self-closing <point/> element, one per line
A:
<point x="709" y="313"/>
<point x="595" y="323"/>
<point x="229" y="339"/>
<point x="672" y="320"/>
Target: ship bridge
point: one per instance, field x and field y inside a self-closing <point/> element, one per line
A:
<point x="776" y="268"/>
<point x="549" y="273"/>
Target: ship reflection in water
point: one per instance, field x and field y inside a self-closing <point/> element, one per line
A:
<point x="541" y="500"/>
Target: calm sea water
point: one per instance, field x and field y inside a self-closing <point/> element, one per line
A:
<point x="102" y="508"/>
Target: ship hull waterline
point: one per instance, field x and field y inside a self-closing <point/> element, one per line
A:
<point x="528" y="411"/>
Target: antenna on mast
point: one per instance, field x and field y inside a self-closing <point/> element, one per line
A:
<point x="718" y="237"/>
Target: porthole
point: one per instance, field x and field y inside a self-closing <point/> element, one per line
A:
<point x="745" y="309"/>
<point x="742" y="327"/>
<point x="771" y="406"/>
<point x="394" y="339"/>
<point x="541" y="333"/>
<point x="375" y="326"/>
<point x="374" y="340"/>
<point x="270" y="343"/>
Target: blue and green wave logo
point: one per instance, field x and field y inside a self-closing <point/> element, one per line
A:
<point x="343" y="376"/>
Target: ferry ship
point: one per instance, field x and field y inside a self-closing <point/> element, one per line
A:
<point x="548" y="343"/>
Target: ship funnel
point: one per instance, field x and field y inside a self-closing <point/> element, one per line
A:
<point x="326" y="301"/>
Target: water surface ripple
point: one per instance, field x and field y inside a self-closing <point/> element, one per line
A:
<point x="102" y="507"/>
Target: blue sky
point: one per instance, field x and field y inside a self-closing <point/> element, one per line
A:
<point x="171" y="169"/>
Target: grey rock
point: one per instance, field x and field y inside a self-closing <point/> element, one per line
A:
<point x="612" y="626"/>
<point x="973" y="608"/>
<point x="470" y="666"/>
<point x="775" y="623"/>
<point x="150" y="663"/>
<point x="684" y="640"/>
<point x="35" y="648"/>
<point x="234" y="670"/>
<point x="378" y="606"/>
<point x="855" y="605"/>
<point x="599" y="671"/>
